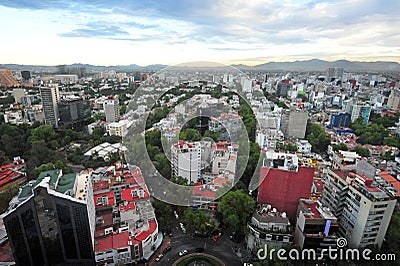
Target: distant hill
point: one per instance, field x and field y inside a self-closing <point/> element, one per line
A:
<point x="306" y="65"/>
<point x="321" y="65"/>
<point x="53" y="69"/>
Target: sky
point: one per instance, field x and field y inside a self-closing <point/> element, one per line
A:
<point x="145" y="32"/>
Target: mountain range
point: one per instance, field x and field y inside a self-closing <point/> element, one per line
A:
<point x="305" y="65"/>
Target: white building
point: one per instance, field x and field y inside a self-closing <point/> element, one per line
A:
<point x="186" y="160"/>
<point x="303" y="146"/>
<point x="111" y="109"/>
<point x="118" y="128"/>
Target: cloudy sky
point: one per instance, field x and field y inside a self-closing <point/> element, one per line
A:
<point x="147" y="32"/>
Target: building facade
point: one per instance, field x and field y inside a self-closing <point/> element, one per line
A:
<point x="186" y="160"/>
<point x="50" y="99"/>
<point x="111" y="109"/>
<point x="54" y="222"/>
<point x="362" y="208"/>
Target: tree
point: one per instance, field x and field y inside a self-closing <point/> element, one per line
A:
<point x="391" y="245"/>
<point x="164" y="214"/>
<point x="291" y="147"/>
<point x="236" y="208"/>
<point x="340" y="147"/>
<point x="153" y="137"/>
<point x="6" y="196"/>
<point x="190" y="134"/>
<point x="317" y="137"/>
<point x="363" y="152"/>
<point x="198" y="222"/>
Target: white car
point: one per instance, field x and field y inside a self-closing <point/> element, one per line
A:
<point x="183" y="253"/>
<point x="176" y="215"/>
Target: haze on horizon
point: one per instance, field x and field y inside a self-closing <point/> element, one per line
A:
<point x="171" y="32"/>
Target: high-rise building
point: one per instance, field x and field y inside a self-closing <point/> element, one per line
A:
<point x="186" y="160"/>
<point x="394" y="100"/>
<point x="111" y="109"/>
<point x="357" y="111"/>
<point x="54" y="222"/>
<point x="50" y="99"/>
<point x="363" y="209"/>
<point x="283" y="86"/>
<point x="294" y="123"/>
<point x="284" y="182"/>
<point x="73" y="111"/>
<point x="334" y="73"/>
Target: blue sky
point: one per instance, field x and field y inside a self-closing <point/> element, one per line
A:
<point x="170" y="32"/>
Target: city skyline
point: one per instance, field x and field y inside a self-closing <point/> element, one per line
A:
<point x="170" y="32"/>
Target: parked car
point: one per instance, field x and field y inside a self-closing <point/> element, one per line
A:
<point x="166" y="249"/>
<point x="159" y="257"/>
<point x="182" y="253"/>
<point x="176" y="215"/>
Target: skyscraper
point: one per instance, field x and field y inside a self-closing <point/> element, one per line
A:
<point x="54" y="221"/>
<point x="50" y="98"/>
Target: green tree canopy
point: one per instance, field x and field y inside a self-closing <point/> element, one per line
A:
<point x="236" y="208"/>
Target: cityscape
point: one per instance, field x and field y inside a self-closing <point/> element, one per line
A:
<point x="181" y="133"/>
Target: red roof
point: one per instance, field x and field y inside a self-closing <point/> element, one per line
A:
<point x="283" y="189"/>
<point x="127" y="193"/>
<point x="112" y="241"/>
<point x="200" y="191"/>
<point x="9" y="176"/>
<point x="110" y="199"/>
<point x="145" y="234"/>
<point x="318" y="184"/>
<point x="388" y="178"/>
<point x="312" y="206"/>
<point x="98" y="186"/>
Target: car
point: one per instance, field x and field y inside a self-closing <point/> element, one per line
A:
<point x="199" y="249"/>
<point x="216" y="237"/>
<point x="166" y="249"/>
<point x="159" y="257"/>
<point x="182" y="253"/>
<point x="176" y="215"/>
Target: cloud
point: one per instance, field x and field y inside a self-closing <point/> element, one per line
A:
<point x="242" y="27"/>
<point x="96" y="29"/>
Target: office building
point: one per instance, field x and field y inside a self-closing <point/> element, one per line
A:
<point x="50" y="99"/>
<point x="357" y="111"/>
<point x="54" y="222"/>
<point x="340" y="120"/>
<point x="111" y="109"/>
<point x="73" y="111"/>
<point x="294" y="123"/>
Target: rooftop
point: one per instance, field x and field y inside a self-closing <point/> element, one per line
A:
<point x="145" y="234"/>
